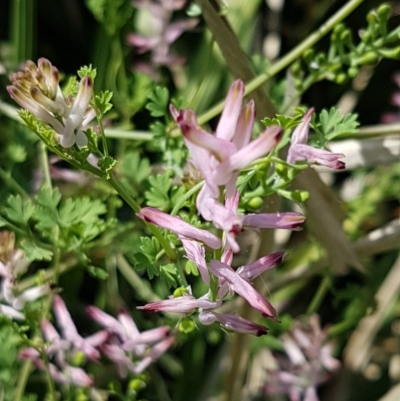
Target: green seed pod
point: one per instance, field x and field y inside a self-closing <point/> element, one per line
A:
<point x="187" y="325"/>
<point x="341" y="78"/>
<point x="390" y="53"/>
<point x="352" y="72"/>
<point x="136" y="385"/>
<point x="369" y="58"/>
<point x="179" y="292"/>
<point x="254" y="203"/>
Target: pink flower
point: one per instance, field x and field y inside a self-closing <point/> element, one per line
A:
<point x="242" y="288"/>
<point x="232" y="323"/>
<point x="309" y="363"/>
<point x="184" y="304"/>
<point x="145" y="347"/>
<point x="299" y="151"/>
<point x="282" y="220"/>
<point x="178" y="226"/>
<point x="163" y="33"/>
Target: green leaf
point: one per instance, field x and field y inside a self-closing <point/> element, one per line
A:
<point x="168" y="273"/>
<point x="191" y="268"/>
<point x="106" y="164"/>
<point x="49" y="198"/>
<point x="18" y="211"/>
<point x="151" y="247"/>
<point x="87" y="70"/>
<point x="97" y="272"/>
<point x="102" y="102"/>
<point x="158" y="195"/>
<point x="34" y="252"/>
<point x="158" y="102"/>
<point x="333" y="124"/>
<point x="135" y="167"/>
<point x="142" y="262"/>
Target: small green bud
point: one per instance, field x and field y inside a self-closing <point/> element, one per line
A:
<point x="383" y="11"/>
<point x="187" y="325"/>
<point x="298" y="84"/>
<point x="254" y="203"/>
<point x="81" y="397"/>
<point x="179" y="292"/>
<point x="308" y="55"/>
<point x="339" y="28"/>
<point x="366" y="36"/>
<point x="352" y="72"/>
<point x="345" y="36"/>
<point x="341" y="78"/>
<point x="372" y="17"/>
<point x="369" y="58"/>
<point x="136" y="384"/>
<point x="78" y="359"/>
<point x="295" y="68"/>
<point x="282" y="171"/>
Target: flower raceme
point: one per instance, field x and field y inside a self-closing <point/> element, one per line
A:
<point x="36" y="88"/>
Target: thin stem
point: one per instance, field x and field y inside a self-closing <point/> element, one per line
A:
<point x="12" y="184"/>
<point x="289" y="58"/>
<point x="22" y="380"/>
<point x="44" y="163"/>
<point x="136" y="208"/>
<point x="185" y="197"/>
<point x="52" y="389"/>
<point x="181" y="275"/>
<point x="141" y="287"/>
<point x="133" y="135"/>
<point x="319" y="295"/>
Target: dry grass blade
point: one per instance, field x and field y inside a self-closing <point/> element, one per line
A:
<point x="358" y="348"/>
<point x="324" y="217"/>
<point x="392" y="395"/>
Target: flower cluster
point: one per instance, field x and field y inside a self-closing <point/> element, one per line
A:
<point x="12" y="265"/>
<point x="118" y="337"/>
<point x="158" y="15"/>
<point x="125" y="340"/>
<point x="36" y="88"/>
<point x="219" y="158"/>
<point x="309" y="362"/>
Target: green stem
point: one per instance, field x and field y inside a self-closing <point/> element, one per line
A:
<point x="52" y="389"/>
<point x="44" y="162"/>
<point x="319" y="295"/>
<point x="289" y="58"/>
<point x="22" y="380"/>
<point x="185" y="197"/>
<point x="136" y="208"/>
<point x="141" y="287"/>
<point x="12" y="184"/>
<point x="181" y="275"/>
